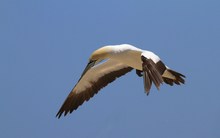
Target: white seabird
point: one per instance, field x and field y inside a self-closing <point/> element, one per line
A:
<point x="117" y="61"/>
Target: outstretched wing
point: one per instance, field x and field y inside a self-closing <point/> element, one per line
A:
<point x="91" y="82"/>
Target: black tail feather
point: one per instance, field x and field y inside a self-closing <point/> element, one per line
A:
<point x="179" y="78"/>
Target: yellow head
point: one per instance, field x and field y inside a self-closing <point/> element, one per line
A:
<point x="97" y="56"/>
<point x="101" y="54"/>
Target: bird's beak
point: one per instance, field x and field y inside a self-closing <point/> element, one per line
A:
<point x="89" y="65"/>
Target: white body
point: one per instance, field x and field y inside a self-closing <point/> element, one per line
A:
<point x="131" y="56"/>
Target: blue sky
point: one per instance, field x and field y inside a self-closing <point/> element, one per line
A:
<point x="45" y="44"/>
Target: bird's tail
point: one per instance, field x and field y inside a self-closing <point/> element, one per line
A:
<point x="170" y="77"/>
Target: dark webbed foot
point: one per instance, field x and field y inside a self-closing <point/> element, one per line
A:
<point x="139" y="73"/>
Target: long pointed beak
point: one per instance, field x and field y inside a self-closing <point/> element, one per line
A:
<point x="89" y="65"/>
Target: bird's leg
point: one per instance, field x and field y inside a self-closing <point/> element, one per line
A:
<point x="139" y="73"/>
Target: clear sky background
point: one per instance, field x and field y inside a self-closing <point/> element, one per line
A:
<point x="45" y="45"/>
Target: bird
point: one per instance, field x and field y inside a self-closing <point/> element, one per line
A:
<point x="110" y="62"/>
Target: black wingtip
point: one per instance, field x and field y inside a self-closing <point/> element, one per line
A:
<point x="58" y="115"/>
<point x="148" y="93"/>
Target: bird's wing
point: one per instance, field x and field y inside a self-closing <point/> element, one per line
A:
<point x="154" y="70"/>
<point x="151" y="71"/>
<point x="91" y="82"/>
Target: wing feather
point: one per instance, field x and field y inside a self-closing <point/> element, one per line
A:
<point x="91" y="82"/>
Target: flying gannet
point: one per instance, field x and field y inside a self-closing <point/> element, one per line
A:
<point x="117" y="61"/>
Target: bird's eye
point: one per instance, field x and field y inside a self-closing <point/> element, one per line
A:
<point x="92" y="61"/>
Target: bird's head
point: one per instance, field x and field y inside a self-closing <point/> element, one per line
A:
<point x="97" y="56"/>
<point x="101" y="54"/>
